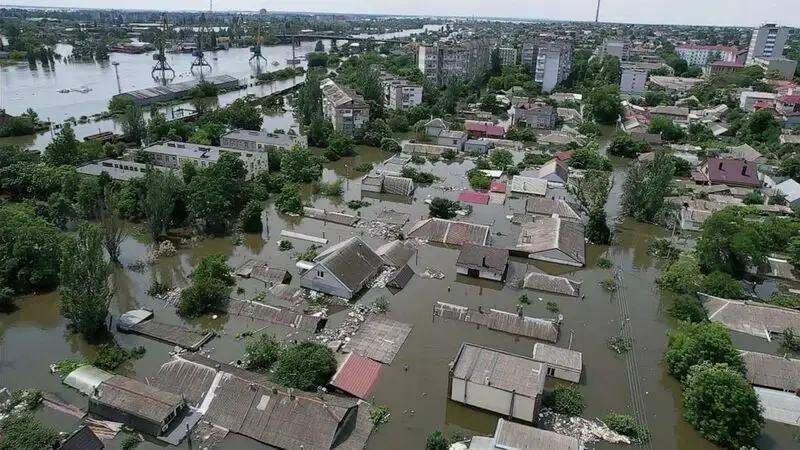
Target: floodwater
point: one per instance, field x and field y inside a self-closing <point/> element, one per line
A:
<point x="35" y="336"/>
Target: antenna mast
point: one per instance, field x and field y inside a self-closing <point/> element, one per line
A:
<point x="160" y="58"/>
<point x="200" y="61"/>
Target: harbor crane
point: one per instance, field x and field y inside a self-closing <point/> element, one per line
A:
<point x="200" y="60"/>
<point x="162" y="66"/>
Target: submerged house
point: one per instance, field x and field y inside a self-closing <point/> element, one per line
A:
<point x="497" y="381"/>
<point x="514" y="436"/>
<point x="480" y="261"/>
<point x="562" y="363"/>
<point x="554" y="240"/>
<point x="343" y="269"/>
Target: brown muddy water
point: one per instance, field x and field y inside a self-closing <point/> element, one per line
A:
<point x="35" y="336"/>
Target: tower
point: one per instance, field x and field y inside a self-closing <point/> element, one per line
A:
<point x="160" y="58"/>
<point x="597" y="13"/>
<point x="200" y="60"/>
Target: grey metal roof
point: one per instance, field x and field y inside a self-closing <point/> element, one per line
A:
<point x="188" y="150"/>
<point x="340" y="95"/>
<point x="528" y="185"/>
<point x="481" y="257"/>
<point x="262" y="137"/>
<point x="547" y="207"/>
<point x="453" y="134"/>
<point x="550" y="233"/>
<point x="789" y="188"/>
<point x="554" y="167"/>
<point x="274" y="314"/>
<point x="400" y="277"/>
<point x="352" y="261"/>
<point x="82" y="439"/>
<point x="396" y="253"/>
<point x="772" y="371"/>
<point x="756" y="319"/>
<point x="398" y="185"/>
<point x="499" y="369"/>
<point x="330" y="216"/>
<point x="557" y="356"/>
<point x="551" y="283"/>
<point x="670" y="110"/>
<point x="783" y="407"/>
<point x="181" y="87"/>
<point x="514" y="436"/>
<point x="128" y="395"/>
<point x="497" y="320"/>
<point x="379" y="339"/>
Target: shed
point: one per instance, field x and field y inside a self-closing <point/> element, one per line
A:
<point x="343" y="269"/>
<point x="547" y="207"/>
<point x="554" y="171"/>
<point x="550" y="283"/>
<point x="357" y="375"/>
<point x="82" y="439"/>
<point x="398" y="185"/>
<point x="260" y="270"/>
<point x="553" y="240"/>
<point x="774" y="372"/>
<point x="478" y="198"/>
<point x="477" y="146"/>
<point x="497" y="381"/>
<point x="139" y="406"/>
<point x="86" y="379"/>
<point x="372" y="183"/>
<point x="480" y="261"/>
<point x="528" y="185"/>
<point x="498" y="187"/>
<point x="562" y="363"/>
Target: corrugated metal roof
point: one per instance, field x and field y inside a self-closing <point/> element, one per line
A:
<point x="357" y="375"/>
<point x="480" y="198"/>
<point x="82" y="439"/>
<point x="498" y="187"/>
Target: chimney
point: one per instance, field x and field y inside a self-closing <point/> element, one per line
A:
<point x="720" y="165"/>
<point x="744" y="169"/>
<point x="483" y="262"/>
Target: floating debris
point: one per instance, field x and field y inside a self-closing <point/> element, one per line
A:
<point x="585" y="430"/>
<point x="382" y="278"/>
<point x="349" y="326"/>
<point x="383" y="230"/>
<point x="432" y="273"/>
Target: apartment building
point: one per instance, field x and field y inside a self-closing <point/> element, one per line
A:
<point x="347" y="111"/>
<point x="785" y="66"/>
<point x="260" y="140"/>
<point x="174" y="155"/>
<point x="399" y="93"/>
<point x="462" y="61"/>
<point x="614" y="47"/>
<point x="700" y="55"/>
<point x="633" y="80"/>
<point x="508" y="56"/>
<point x="768" y="41"/>
<point x="553" y="64"/>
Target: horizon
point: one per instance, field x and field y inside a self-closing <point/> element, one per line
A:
<point x="628" y="12"/>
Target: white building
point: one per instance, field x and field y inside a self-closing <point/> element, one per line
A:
<point x="768" y="41"/>
<point x="614" y="47"/>
<point x="748" y="99"/>
<point x="700" y="55"/>
<point x="508" y="56"/>
<point x="174" y="154"/>
<point x="562" y="363"/>
<point x="400" y="94"/>
<point x="117" y="169"/>
<point x="634" y="80"/>
<point x="553" y="64"/>
<point x="347" y="111"/>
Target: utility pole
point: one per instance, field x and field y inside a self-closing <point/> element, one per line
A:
<point x="116" y="71"/>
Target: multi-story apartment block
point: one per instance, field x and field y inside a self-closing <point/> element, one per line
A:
<point x="347" y="111"/>
<point x="767" y="41"/>
<point x="700" y="55"/>
<point x="461" y="61"/>
<point x="399" y="93"/>
<point x="508" y="56"/>
<point x="633" y="80"/>
<point x="174" y="155"/>
<point x="553" y="64"/>
<point x="615" y="47"/>
<point x="260" y="140"/>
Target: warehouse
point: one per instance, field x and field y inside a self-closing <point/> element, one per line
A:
<point x="178" y="91"/>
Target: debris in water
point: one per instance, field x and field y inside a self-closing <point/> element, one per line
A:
<point x="585" y="430"/>
<point x="432" y="273"/>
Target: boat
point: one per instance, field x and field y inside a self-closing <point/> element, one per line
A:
<point x="64" y="91"/>
<point x="276" y="63"/>
<point x="82" y="89"/>
<point x="293" y="60"/>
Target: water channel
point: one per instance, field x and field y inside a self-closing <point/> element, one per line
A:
<point x="35" y="336"/>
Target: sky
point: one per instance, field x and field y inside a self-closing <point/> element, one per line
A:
<point x="699" y="12"/>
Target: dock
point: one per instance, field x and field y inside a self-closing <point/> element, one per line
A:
<point x="493" y="319"/>
<point x="273" y="314"/>
<point x="379" y="339"/>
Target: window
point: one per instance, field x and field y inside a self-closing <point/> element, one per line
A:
<point x="551" y="372"/>
<point x="320" y="274"/>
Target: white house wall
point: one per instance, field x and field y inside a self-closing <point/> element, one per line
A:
<point x="493" y="399"/>
<point x="327" y="283"/>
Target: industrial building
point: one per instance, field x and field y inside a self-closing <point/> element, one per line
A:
<point x="174" y="154"/>
<point x="178" y="91"/>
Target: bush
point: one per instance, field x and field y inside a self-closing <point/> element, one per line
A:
<point x="443" y="208"/>
<point x="688" y="308"/>
<point x="310" y="254"/>
<point x="363" y="167"/>
<point x="131" y="441"/>
<point x="390" y="145"/>
<point x="357" y="204"/>
<point x="449" y="154"/>
<point x="786" y="301"/>
<point x="626" y="425"/>
<point x="25" y="432"/>
<point x="306" y="366"/>
<point x="720" y="284"/>
<point x="110" y="357"/>
<point x="261" y="353"/>
<point x="417" y="176"/>
<point x="567" y="400"/>
<point x="437" y="441"/>
<point x="753" y="198"/>
<point x="379" y="415"/>
<point x="478" y="180"/>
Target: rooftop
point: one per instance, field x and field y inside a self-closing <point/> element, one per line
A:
<point x="479" y="198"/>
<point x="551" y="233"/>
<point x="143" y="400"/>
<point x="379" y="339"/>
<point x="514" y="436"/>
<point x="188" y="150"/>
<point x="733" y="170"/>
<point x="449" y="232"/>
<point x="499" y="369"/>
<point x="557" y="356"/>
<point x="772" y="371"/>
<point x="396" y="253"/>
<point x="551" y="283"/>
<point x="756" y="319"/>
<point x="352" y="261"/>
<point x="481" y="257"/>
<point x="357" y="375"/>
<point x="547" y="207"/>
<point x="710" y="48"/>
<point x="494" y="319"/>
<point x="528" y="185"/>
<point x="182" y="87"/>
<point x="263" y="137"/>
<point x="340" y="95"/>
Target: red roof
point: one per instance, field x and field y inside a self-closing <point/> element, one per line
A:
<point x="480" y="198"/>
<point x="357" y="376"/>
<point x="498" y="186"/>
<point x="763" y="104"/>
<point x="736" y="172"/>
<point x="790" y="99"/>
<point x="487" y="129"/>
<point x="565" y="155"/>
<point x="712" y="48"/>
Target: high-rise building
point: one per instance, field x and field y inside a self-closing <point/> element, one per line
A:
<point x="552" y="64"/>
<point x="700" y="55"/>
<point x="633" y="80"/>
<point x="614" y="47"/>
<point x="463" y="61"/>
<point x="508" y="56"/>
<point x="768" y="41"/>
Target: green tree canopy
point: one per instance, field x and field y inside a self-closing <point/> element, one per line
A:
<point x="210" y="285"/>
<point x="299" y="165"/>
<point x="605" y="104"/>
<point x="63" y="149"/>
<point x="306" y="366"/>
<point x="261" y="353"/>
<point x="666" y="128"/>
<point x="443" y="208"/>
<point x="30" y="250"/>
<point x="728" y="243"/>
<point x="698" y="343"/>
<point x="646" y="185"/>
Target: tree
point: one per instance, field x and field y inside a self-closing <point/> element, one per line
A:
<point x="589" y="158"/>
<point x="262" y="353"/>
<point x="26" y="432"/>
<point x="437" y="441"/>
<point x="30" y="250"/>
<point x="646" y="185"/>
<point x="728" y="243"/>
<point x="489" y="104"/>
<point x="666" y="128"/>
<point x="306" y="366"/>
<point x="688" y="308"/>
<point x="85" y="293"/>
<point x="443" y="208"/>
<point x="623" y="145"/>
<point x="63" y="149"/>
<point x="478" y="180"/>
<point x="319" y="47"/>
<point x="120" y="103"/>
<point x="159" y="200"/>
<point x="299" y="165"/>
<point x="251" y="217"/>
<point x="217" y="194"/>
<point x="591" y="194"/>
<point x="589" y="128"/>
<point x="496" y="63"/>
<point x="605" y="105"/>
<point x="794" y="252"/>
<point x="501" y="158"/>
<point x="339" y="145"/>
<point x="723" y="406"/>
<point x="753" y="198"/>
<point x="377" y="130"/>
<point x="700" y="132"/>
<point x="112" y="232"/>
<point x="203" y="89"/>
<point x="697" y="343"/>
<point x="244" y="114"/>
<point x="318" y="131"/>
<point x="720" y="284"/>
<point x="369" y="85"/>
<point x="684" y="275"/>
<point x="761" y="128"/>
<point x="567" y="400"/>
<point x="211" y="281"/>
<point x="201" y="137"/>
<point x="133" y="125"/>
<point x="289" y="201"/>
